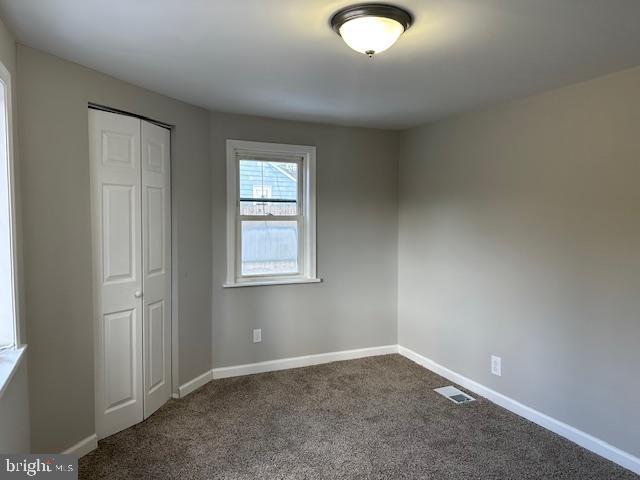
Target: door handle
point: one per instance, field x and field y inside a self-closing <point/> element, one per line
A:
<point x="138" y="294"/>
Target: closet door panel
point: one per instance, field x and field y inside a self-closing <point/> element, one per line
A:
<point x="156" y="235"/>
<point x="117" y="245"/>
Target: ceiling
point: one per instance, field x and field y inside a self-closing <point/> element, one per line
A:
<point x="279" y="58"/>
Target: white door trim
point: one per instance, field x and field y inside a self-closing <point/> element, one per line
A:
<point x="175" y="283"/>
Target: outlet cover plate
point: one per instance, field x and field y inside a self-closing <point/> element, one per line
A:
<point x="496" y="365"/>
<point x="257" y="335"/>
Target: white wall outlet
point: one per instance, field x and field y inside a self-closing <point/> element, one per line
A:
<point x="496" y="365"/>
<point x="257" y="335"/>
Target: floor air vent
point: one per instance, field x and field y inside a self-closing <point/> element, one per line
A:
<point x="453" y="394"/>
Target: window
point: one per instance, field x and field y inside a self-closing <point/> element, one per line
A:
<point x="271" y="236"/>
<point x="8" y="324"/>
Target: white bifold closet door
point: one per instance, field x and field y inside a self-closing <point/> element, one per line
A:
<point x="131" y="203"/>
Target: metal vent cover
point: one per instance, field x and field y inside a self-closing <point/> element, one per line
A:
<point x="454" y="394"/>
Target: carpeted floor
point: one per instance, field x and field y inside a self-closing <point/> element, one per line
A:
<point x="375" y="418"/>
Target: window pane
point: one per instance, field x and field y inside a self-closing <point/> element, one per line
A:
<point x="269" y="248"/>
<point x="268" y="188"/>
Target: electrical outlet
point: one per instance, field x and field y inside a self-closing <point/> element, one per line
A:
<point x="257" y="335"/>
<point x="496" y="365"/>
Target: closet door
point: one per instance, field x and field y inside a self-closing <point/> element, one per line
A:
<point x="117" y="241"/>
<point x="156" y="265"/>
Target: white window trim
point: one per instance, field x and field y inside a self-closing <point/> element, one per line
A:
<point x="10" y="358"/>
<point x="9" y="363"/>
<point x="308" y="241"/>
<point x="5" y="77"/>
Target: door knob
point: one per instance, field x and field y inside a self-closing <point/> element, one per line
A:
<point x="138" y="294"/>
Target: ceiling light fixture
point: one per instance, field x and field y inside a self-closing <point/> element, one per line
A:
<point x="371" y="28"/>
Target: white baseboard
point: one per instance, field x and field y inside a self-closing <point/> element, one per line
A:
<point x="195" y="384"/>
<point x="84" y="446"/>
<point x="283" y="364"/>
<point x="305" y="361"/>
<point x="583" y="439"/>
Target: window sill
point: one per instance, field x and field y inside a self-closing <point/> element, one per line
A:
<point x="262" y="283"/>
<point x="9" y="361"/>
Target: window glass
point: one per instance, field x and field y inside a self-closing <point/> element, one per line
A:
<point x="269" y="247"/>
<point x="268" y="188"/>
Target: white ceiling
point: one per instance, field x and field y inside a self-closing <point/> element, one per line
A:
<point x="279" y="58"/>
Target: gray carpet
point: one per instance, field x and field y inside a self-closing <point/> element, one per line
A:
<point x="374" y="418"/>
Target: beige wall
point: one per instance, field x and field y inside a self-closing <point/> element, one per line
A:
<point x="355" y="305"/>
<point x="53" y="98"/>
<point x="15" y="435"/>
<point x="519" y="235"/>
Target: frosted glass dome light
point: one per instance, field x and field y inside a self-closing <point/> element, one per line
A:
<point x="371" y="28"/>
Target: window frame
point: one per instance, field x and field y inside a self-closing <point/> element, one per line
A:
<point x="305" y="157"/>
<point x="5" y="79"/>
